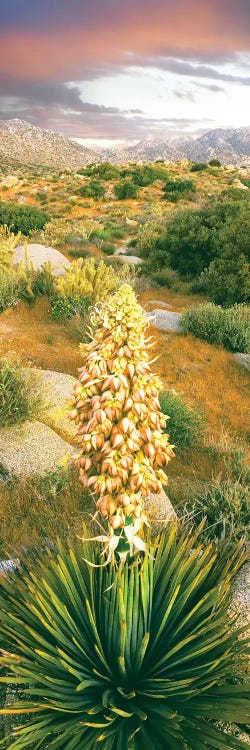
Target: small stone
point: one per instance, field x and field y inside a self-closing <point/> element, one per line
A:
<point x="159" y="510"/>
<point x="9" y="181"/>
<point x="165" y="321"/>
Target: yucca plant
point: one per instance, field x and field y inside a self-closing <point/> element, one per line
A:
<point x="142" y="656"/>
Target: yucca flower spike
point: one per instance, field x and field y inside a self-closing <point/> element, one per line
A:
<point x="123" y="450"/>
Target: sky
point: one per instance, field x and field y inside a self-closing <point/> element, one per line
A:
<point x="116" y="71"/>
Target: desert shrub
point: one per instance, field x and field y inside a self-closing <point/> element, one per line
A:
<point x="146" y="238"/>
<point x="173" y="190"/>
<point x="94" y="189"/>
<point x="143" y="654"/>
<point x="214" y="163"/>
<point x="237" y="328"/>
<point x="225" y="505"/>
<point x="185" y="424"/>
<point x="78" y="327"/>
<point x="146" y="174"/>
<point x="9" y="290"/>
<point x="22" y="218"/>
<point x="104" y="171"/>
<point x="108" y="248"/>
<point x="19" y="392"/>
<point x="126" y="189"/>
<point x="230" y="326"/>
<point x="167" y="277"/>
<point x="56" y="232"/>
<point x="117" y="233"/>
<point x="64" y="308"/>
<point x="198" y="167"/>
<point x="193" y="239"/>
<point x="246" y="181"/>
<point x="227" y="279"/>
<point x="42" y="196"/>
<point x="78" y="252"/>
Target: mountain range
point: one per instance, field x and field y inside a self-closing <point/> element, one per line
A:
<point x="30" y="145"/>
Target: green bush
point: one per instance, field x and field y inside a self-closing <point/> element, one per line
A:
<point x="114" y="232"/>
<point x="198" y="167"/>
<point x="173" y="190"/>
<point x="167" y="277"/>
<point x="230" y="326"/>
<point x="105" y="171"/>
<point x="108" y="248"/>
<point x="227" y="279"/>
<point x="214" y="163"/>
<point x="78" y="252"/>
<point x="94" y="189"/>
<point x="19" y="392"/>
<point x="225" y="505"/>
<point x="185" y="424"/>
<point x="146" y="238"/>
<point x="126" y="189"/>
<point x="22" y="218"/>
<point x="140" y="656"/>
<point x="64" y="308"/>
<point x="9" y="290"/>
<point x="193" y="239"/>
<point x="146" y="174"/>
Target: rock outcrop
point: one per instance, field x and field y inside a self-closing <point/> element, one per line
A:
<point x="31" y="448"/>
<point x="39" y="254"/>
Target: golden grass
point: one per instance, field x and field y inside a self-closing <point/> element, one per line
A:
<point x="28" y="331"/>
<point x="31" y="516"/>
<point x="178" y="300"/>
<point x="209" y="378"/>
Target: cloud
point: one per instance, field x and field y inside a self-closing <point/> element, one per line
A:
<point x="55" y="38"/>
<point x="188" y="95"/>
<point x="185" y="68"/>
<point x="39" y="94"/>
<point x="210" y="87"/>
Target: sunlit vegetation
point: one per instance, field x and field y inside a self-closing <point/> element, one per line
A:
<point x="192" y="252"/>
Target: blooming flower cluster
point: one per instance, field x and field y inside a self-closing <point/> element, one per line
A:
<point x="124" y="451"/>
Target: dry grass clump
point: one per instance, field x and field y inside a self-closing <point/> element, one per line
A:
<point x="20" y="396"/>
<point x="34" y="511"/>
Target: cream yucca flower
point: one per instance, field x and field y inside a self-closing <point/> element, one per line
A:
<point x="124" y="451"/>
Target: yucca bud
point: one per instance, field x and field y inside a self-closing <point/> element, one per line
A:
<point x="116" y="441"/>
<point x="116" y="522"/>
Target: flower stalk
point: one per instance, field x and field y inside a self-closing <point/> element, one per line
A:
<point x="123" y="450"/>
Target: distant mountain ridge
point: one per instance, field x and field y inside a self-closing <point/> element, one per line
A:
<point x="229" y="145"/>
<point x="30" y="145"/>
